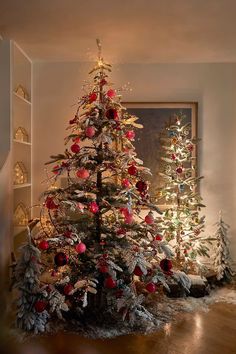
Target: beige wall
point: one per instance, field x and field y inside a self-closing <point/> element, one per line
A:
<point x="57" y="85"/>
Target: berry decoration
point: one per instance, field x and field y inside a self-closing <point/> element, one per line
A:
<point x="138" y="271"/>
<point x="40" y="306"/>
<point x="43" y="245"/>
<point x="67" y="289"/>
<point x="60" y="259"/>
<point x="166" y="265"/>
<point x="80" y="248"/>
<point x="82" y="173"/>
<point x="151" y="287"/>
<point x="93" y="207"/>
<point x="90" y="132"/>
<point x="109" y="283"/>
<point x="75" y="148"/>
<point x="132" y="170"/>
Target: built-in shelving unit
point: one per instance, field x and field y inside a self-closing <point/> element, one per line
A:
<point x="21" y="112"/>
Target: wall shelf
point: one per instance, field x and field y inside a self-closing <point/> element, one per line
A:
<point x="21" y="98"/>
<point x="23" y="185"/>
<point x="22" y="142"/>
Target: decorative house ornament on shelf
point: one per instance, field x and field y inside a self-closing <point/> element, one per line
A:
<point x="20" y="174"/>
<point x="21" y="135"/>
<point x="22" y="92"/>
<point x="21" y="215"/>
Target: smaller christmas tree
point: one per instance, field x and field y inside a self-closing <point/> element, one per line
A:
<point x="222" y="262"/>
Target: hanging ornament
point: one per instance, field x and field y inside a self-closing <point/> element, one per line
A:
<point x="112" y="114"/>
<point x="173" y="157"/>
<point x="93" y="207"/>
<point x="92" y="97"/>
<point x="110" y="283"/>
<point x="82" y="173"/>
<point x="151" y="287"/>
<point x="125" y="183"/>
<point x="132" y="170"/>
<point x="158" y="237"/>
<point x="190" y="147"/>
<point x="60" y="259"/>
<point x="80" y="248"/>
<point x="166" y="265"/>
<point x="40" y="306"/>
<point x="56" y="169"/>
<point x="75" y="148"/>
<point x="111" y="93"/>
<point x="141" y="186"/>
<point x="68" y="289"/>
<point x="130" y="134"/>
<point x="179" y="170"/>
<point x="103" y="269"/>
<point x="149" y="219"/>
<point x="43" y="245"/>
<point x="138" y="271"/>
<point x="90" y="132"/>
<point x="50" y="204"/>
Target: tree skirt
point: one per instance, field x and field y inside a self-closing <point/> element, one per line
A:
<point x="164" y="312"/>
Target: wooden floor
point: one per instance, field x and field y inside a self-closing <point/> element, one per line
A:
<point x="212" y="332"/>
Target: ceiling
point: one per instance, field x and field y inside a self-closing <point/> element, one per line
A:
<point x="131" y="31"/>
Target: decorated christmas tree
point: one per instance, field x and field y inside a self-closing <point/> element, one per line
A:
<point x="180" y="223"/>
<point x="222" y="259"/>
<point x="98" y="235"/>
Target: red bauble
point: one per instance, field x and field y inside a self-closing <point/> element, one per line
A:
<point x="103" y="269"/>
<point x="75" y="148"/>
<point x="40" y="306"/>
<point x="50" y="204"/>
<point x="141" y="186"/>
<point x="151" y="287"/>
<point x="43" y="245"/>
<point x="111" y="93"/>
<point x="80" y="248"/>
<point x="173" y="157"/>
<point x="93" y="207"/>
<point x="60" y="259"/>
<point x="92" y="97"/>
<point x="56" y="169"/>
<point x="138" y="271"/>
<point x="112" y="114"/>
<point x="130" y="134"/>
<point x="129" y="219"/>
<point x="110" y="283"/>
<point x="190" y="147"/>
<point x="103" y="82"/>
<point x="125" y="183"/>
<point x="67" y="289"/>
<point x="149" y="219"/>
<point x="90" y="132"/>
<point x="179" y="170"/>
<point x="166" y="265"/>
<point x="82" y="173"/>
<point x="67" y="233"/>
<point x="121" y="231"/>
<point x="158" y="237"/>
<point x="132" y="170"/>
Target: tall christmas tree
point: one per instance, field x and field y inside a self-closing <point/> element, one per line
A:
<point x="93" y="240"/>
<point x="181" y="223"/>
<point x="222" y="259"/>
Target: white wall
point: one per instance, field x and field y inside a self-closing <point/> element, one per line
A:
<point x="57" y="85"/>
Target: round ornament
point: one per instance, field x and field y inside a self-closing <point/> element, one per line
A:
<point x="92" y="97"/>
<point x="166" y="265"/>
<point x="82" y="173"/>
<point x="151" y="287"/>
<point x="40" y="306"/>
<point x="103" y="269"/>
<point x="179" y="170"/>
<point x="60" y="259"/>
<point x="173" y="157"/>
<point x="67" y="289"/>
<point x="80" y="248"/>
<point x="158" y="237"/>
<point x="75" y="148"/>
<point x="111" y="93"/>
<point x="130" y="134"/>
<point x="93" y="207"/>
<point x="125" y="183"/>
<point x="90" y="132"/>
<point x="112" y="114"/>
<point x="132" y="170"/>
<point x="50" y="204"/>
<point x="149" y="219"/>
<point x="109" y="283"/>
<point x="43" y="245"/>
<point x="138" y="271"/>
<point x="141" y="186"/>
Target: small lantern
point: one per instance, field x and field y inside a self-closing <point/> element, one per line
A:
<point x="22" y="92"/>
<point x="21" y="216"/>
<point x="20" y="173"/>
<point x="21" y="135"/>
